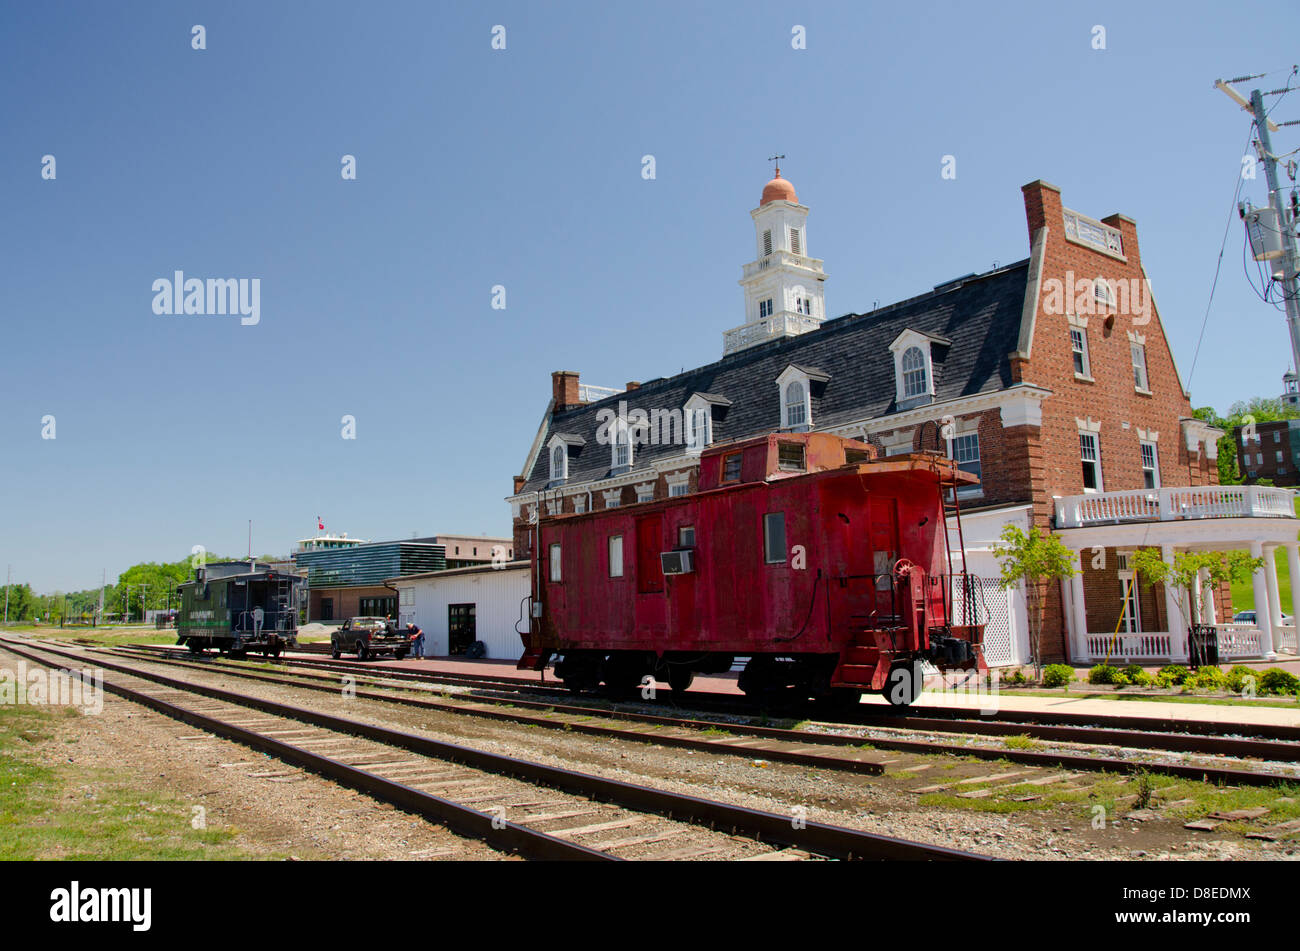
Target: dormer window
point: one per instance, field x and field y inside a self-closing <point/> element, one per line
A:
<point x="916" y="381"/>
<point x="697" y="417"/>
<point x="558" y="449"/>
<point x="622" y="447"/>
<point x="914" y="366"/>
<point x="796" y="389"/>
<point x="796" y="408"/>
<point x="765" y="308"/>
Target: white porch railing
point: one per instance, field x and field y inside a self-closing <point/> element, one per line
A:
<point x="1238" y="641"/>
<point x="1165" y="505"/>
<point x="1153" y="646"/>
<point x="1285" y="638"/>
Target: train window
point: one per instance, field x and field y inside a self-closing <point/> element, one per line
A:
<point x="686" y="536"/>
<point x="731" y="467"/>
<point x="853" y="457"/>
<point x="616" y="556"/>
<point x="790" y="457"/>
<point x="774" y="538"/>
<point x="555" y="562"/>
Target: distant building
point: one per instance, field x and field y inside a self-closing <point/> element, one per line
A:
<point x="1271" y="451"/>
<point x="459" y="606"/>
<point x="348" y="580"/>
<point x="1290" y="389"/>
<point x="468" y="551"/>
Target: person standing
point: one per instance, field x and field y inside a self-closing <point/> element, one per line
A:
<point x="416" y="634"/>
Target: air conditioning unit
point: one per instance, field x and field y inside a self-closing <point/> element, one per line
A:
<point x="677" y="562"/>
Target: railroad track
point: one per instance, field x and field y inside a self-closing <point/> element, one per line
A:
<point x="489" y="796"/>
<point x="801" y="746"/>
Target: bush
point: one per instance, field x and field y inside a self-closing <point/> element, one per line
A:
<point x="1278" y="681"/>
<point x="1237" y="677"/>
<point x="1132" y="672"/>
<point x="1058" y="675"/>
<point x="1172" y="674"/>
<point x="1143" y="679"/>
<point x="1106" y="674"/>
<point x="1207" y="678"/>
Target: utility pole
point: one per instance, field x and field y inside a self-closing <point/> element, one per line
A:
<point x="1286" y="213"/>
<point x="103" y="580"/>
<point x="8" y="573"/>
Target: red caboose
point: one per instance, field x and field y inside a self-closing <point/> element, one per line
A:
<point x="825" y="566"/>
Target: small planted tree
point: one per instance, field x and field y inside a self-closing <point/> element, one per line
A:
<point x="1033" y="558"/>
<point x="1184" y="575"/>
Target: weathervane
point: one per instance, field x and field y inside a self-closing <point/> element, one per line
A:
<point x="777" y="159"/>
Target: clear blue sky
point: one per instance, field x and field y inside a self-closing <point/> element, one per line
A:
<point x="523" y="168"/>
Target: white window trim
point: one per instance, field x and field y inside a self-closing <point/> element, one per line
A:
<point x="621" y="429"/>
<point x="612" y="498"/>
<point x="1140" y="340"/>
<point x="550" y="455"/>
<point x="968" y="427"/>
<point x="1093" y="429"/>
<point x="645" y="492"/>
<point x="792" y="374"/>
<point x="897" y="443"/>
<point x="554" y="507"/>
<point x="1155" y="458"/>
<point x="609" y="550"/>
<point x="1086" y="375"/>
<point x="678" y="480"/>
<point x="902" y="343"/>
<point x="579" y="504"/>
<point x="701" y="405"/>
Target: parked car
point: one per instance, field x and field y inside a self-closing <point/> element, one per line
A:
<point x="1248" y="617"/>
<point x="369" y="637"/>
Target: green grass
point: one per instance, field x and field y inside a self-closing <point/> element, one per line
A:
<point x="1243" y="592"/>
<point x="106" y="636"/>
<point x="1220" y="701"/>
<point x="82" y="813"/>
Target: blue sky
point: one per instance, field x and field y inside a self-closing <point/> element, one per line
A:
<point x="522" y="167"/>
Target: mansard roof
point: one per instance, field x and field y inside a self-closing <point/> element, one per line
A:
<point x="980" y="315"/>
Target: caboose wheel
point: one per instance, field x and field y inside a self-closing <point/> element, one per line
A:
<point x="680" y="678"/>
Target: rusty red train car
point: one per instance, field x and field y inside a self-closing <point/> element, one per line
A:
<point x="825" y="566"/>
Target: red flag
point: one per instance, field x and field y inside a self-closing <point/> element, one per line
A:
<point x="319" y="524"/>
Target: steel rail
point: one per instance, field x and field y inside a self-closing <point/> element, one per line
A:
<point x="819" y="838"/>
<point x="1271" y="750"/>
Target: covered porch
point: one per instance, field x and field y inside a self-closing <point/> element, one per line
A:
<point x="1111" y="615"/>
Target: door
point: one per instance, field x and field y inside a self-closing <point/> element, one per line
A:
<point x="649" y="570"/>
<point x="461" y="628"/>
<point x="327" y="609"/>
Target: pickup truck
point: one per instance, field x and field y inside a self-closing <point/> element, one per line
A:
<point x="369" y="637"/>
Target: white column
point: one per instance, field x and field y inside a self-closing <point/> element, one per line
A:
<point x="1211" y="605"/>
<point x="1079" y="615"/>
<point x="1270" y="573"/>
<point x="1176" y="622"/>
<point x="1263" y="611"/>
<point x="1293" y="572"/>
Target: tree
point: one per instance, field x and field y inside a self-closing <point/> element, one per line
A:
<point x="1033" y="558"/>
<point x="1184" y="575"/>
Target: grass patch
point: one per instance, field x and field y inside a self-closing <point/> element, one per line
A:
<point x="1022" y="741"/>
<point x="107" y="636"/>
<point x="714" y="731"/>
<point x="80" y="813"/>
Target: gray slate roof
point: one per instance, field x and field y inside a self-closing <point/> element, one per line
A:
<point x="980" y="315"/>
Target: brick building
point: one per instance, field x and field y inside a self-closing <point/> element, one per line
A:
<point x="1269" y="451"/>
<point x="1051" y="378"/>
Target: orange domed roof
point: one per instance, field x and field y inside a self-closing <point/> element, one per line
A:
<point x="778" y="189"/>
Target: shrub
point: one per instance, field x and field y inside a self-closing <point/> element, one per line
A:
<point x="1017" y="676"/>
<point x="1172" y="673"/>
<point x="1237" y="677"/>
<point x="1132" y="671"/>
<point x="1276" y="680"/>
<point x="1058" y="675"/>
<point x="1106" y="674"/>
<point x="1143" y="679"/>
<point x="1207" y="678"/>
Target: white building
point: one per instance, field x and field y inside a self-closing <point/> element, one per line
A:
<point x="459" y="606"/>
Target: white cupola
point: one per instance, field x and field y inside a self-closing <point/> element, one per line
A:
<point x="783" y="286"/>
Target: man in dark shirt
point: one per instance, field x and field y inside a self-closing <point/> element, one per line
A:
<point x="416" y="635"/>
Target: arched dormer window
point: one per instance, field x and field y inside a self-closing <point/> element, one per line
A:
<point x="796" y="409"/>
<point x="698" y="417"/>
<point x="797" y="386"/>
<point x="559" y="448"/>
<point x="621" y="440"/>
<point x="915" y="353"/>
<point x="915" y="378"/>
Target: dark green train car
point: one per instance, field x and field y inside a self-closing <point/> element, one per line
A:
<point x="237" y="607"/>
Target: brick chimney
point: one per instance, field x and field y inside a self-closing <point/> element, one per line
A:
<point x="519" y="483"/>
<point x="1042" y="207"/>
<point x="1128" y="228"/>
<point x="633" y="386"/>
<point x="564" y="389"/>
